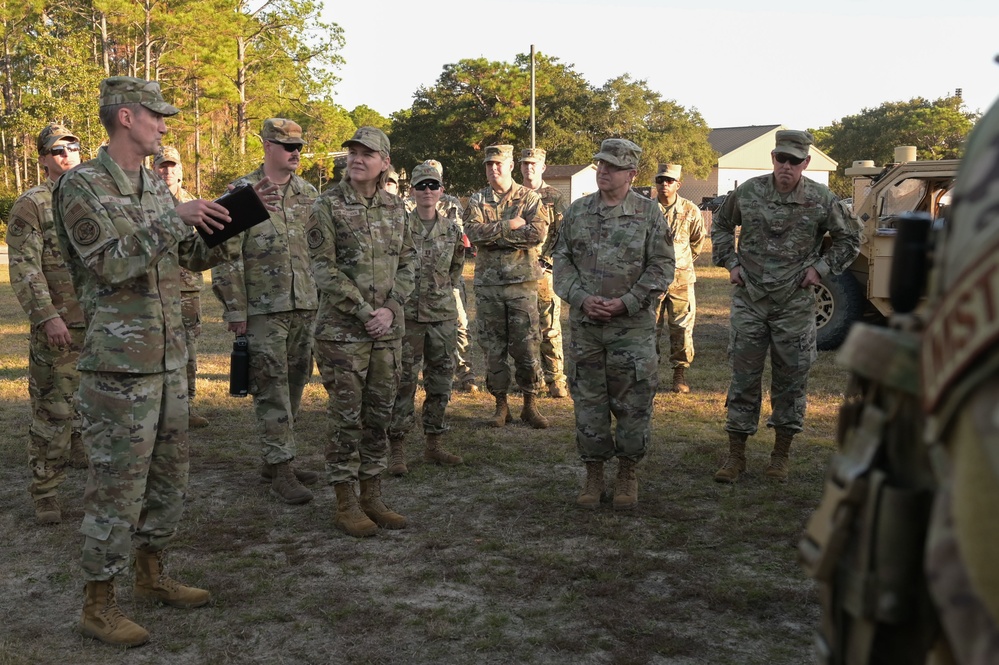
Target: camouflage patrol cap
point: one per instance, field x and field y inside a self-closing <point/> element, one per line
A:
<point x="669" y="171"/>
<point x="53" y="132"/>
<point x="165" y="154"/>
<point x="393" y="176"/>
<point x="370" y="137"/>
<point x="130" y="90"/>
<point x="282" y="130"/>
<point x="619" y="152"/>
<point x="533" y="156"/>
<point x="424" y="172"/>
<point x="498" y="153"/>
<point x="793" y="142"/>
<point x="436" y="165"/>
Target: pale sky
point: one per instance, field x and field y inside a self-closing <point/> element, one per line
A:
<point x="737" y="62"/>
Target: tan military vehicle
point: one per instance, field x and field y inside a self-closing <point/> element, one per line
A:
<point x="879" y="196"/>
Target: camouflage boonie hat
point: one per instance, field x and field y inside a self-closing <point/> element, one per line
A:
<point x="370" y="137"/>
<point x="53" y="132"/>
<point x="498" y="153"/>
<point x="393" y="176"/>
<point x="436" y="165"/>
<point x="166" y="153"/>
<point x="793" y="142"/>
<point x="282" y="130"/>
<point x="130" y="90"/>
<point x="533" y="155"/>
<point x="619" y="152"/>
<point x="424" y="172"/>
<point x="669" y="171"/>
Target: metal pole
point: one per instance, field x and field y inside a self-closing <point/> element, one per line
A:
<point x="532" y="96"/>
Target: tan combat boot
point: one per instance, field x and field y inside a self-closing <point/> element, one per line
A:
<point x="557" y="390"/>
<point x="195" y="420"/>
<point x="530" y="414"/>
<point x="780" y="461"/>
<point x="680" y="380"/>
<point x="77" y="453"/>
<point x="102" y="620"/>
<point x="348" y="517"/>
<point x="502" y="415"/>
<point x="397" y="456"/>
<point x="626" y="485"/>
<point x="736" y="461"/>
<point x="371" y="504"/>
<point x="152" y="583"/>
<point x="47" y="510"/>
<point x="304" y="477"/>
<point x="593" y="489"/>
<point x="434" y="454"/>
<point x="287" y="487"/>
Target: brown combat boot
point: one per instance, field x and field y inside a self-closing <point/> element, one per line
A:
<point x="397" y="456"/>
<point x="557" y="390"/>
<point x="626" y="485"/>
<point x="780" y="461"/>
<point x="287" y="487"/>
<point x="304" y="477"/>
<point x="593" y="489"/>
<point x="530" y="414"/>
<point x="468" y="386"/>
<point x="680" y="380"/>
<point x="77" y="453"/>
<point x="102" y="620"/>
<point x="736" y="461"/>
<point x="502" y="415"/>
<point x="152" y="583"/>
<point x="348" y="517"/>
<point x="47" y="510"/>
<point x="434" y="454"/>
<point x="195" y="420"/>
<point x="371" y="504"/>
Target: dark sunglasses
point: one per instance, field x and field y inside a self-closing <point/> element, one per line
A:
<point x="289" y="147"/>
<point x="432" y="185"/>
<point x="664" y="179"/>
<point x="784" y="158"/>
<point x="60" y="150"/>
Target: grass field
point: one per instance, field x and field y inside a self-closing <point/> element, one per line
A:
<point x="497" y="565"/>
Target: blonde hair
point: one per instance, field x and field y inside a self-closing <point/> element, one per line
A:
<point x="382" y="178"/>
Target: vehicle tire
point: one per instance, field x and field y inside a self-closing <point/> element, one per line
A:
<point x="839" y="301"/>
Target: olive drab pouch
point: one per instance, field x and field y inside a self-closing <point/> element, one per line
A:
<point x="864" y="543"/>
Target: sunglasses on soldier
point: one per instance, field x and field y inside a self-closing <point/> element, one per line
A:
<point x="61" y="150"/>
<point x="432" y="185"/>
<point x="288" y="147"/>
<point x="664" y="180"/>
<point x="784" y="158"/>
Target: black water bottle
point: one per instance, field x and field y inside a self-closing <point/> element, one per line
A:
<point x="239" y="367"/>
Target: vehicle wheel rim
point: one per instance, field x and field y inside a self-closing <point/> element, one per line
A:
<point x="824" y="305"/>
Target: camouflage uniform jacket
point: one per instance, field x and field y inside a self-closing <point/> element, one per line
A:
<point x="38" y="273"/>
<point x="684" y="220"/>
<point x="440" y="257"/>
<point x="190" y="280"/>
<point x="554" y="201"/>
<point x="448" y="206"/>
<point x="125" y="250"/>
<point x="272" y="273"/>
<point x="363" y="259"/>
<point x="506" y="256"/>
<point x="781" y="238"/>
<point x="622" y="252"/>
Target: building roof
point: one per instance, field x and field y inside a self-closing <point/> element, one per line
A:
<point x="726" y="139"/>
<point x="564" y="170"/>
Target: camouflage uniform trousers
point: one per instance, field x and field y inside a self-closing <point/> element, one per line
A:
<point x="280" y="367"/>
<point x="428" y="346"/>
<point x="52" y="383"/>
<point x="677" y="313"/>
<point x="615" y="371"/>
<point x="788" y="330"/>
<point x="135" y="432"/>
<point x="550" y="327"/>
<point x="462" y="368"/>
<point x="508" y="323"/>
<point x="190" y="311"/>
<point x="362" y="381"/>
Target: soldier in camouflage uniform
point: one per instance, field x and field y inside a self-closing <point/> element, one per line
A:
<point x="679" y="307"/>
<point x="363" y="258"/>
<point x="508" y="224"/>
<point x="784" y="217"/>
<point x="167" y="165"/>
<point x="613" y="261"/>
<point x="532" y="167"/>
<point x="269" y="294"/>
<point x="431" y="318"/>
<point x="392" y="182"/>
<point x="124" y="240"/>
<point x="44" y="288"/>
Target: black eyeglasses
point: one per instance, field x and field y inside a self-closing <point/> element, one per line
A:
<point x="432" y="185"/>
<point x="61" y="150"/>
<point x="289" y="147"/>
<point x="663" y="179"/>
<point x="784" y="158"/>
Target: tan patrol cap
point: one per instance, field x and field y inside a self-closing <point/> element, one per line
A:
<point x="437" y="165"/>
<point x="166" y="153"/>
<point x="533" y="155"/>
<point x="117" y="90"/>
<point x="498" y="153"/>
<point x="370" y="137"/>
<point x="53" y="132"/>
<point x="424" y="172"/>
<point x="619" y="152"/>
<point x="393" y="176"/>
<point x="282" y="130"/>
<point x="669" y="171"/>
<point x="794" y="142"/>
